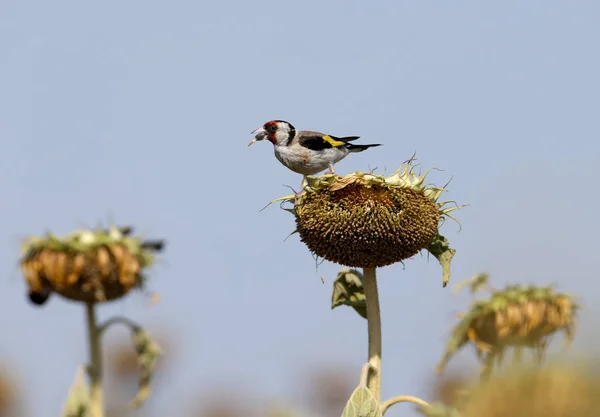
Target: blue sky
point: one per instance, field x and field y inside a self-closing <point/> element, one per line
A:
<point x="140" y="111"/>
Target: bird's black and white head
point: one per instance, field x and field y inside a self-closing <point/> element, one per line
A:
<point x="278" y="132"/>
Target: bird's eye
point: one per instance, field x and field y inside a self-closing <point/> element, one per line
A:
<point x="272" y="128"/>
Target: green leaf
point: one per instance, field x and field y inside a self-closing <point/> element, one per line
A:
<point x="78" y="400"/>
<point x="362" y="404"/>
<point x="348" y="290"/>
<point x="147" y="353"/>
<point x="440" y="248"/>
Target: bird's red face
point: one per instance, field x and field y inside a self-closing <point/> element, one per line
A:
<point x="271" y="129"/>
<point x="276" y="131"/>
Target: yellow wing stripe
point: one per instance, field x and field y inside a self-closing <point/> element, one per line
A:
<point x="332" y="141"/>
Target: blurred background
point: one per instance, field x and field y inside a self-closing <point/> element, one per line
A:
<point x="139" y="112"/>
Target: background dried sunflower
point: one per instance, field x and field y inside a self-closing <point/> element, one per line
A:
<point x="89" y="266"/>
<point x="516" y="317"/>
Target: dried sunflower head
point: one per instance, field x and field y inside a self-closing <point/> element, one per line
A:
<point x="368" y="220"/>
<point x="518" y="316"/>
<point x="90" y="266"/>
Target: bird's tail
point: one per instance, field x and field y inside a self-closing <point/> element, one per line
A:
<point x="359" y="148"/>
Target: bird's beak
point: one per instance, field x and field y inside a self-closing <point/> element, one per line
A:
<point x="260" y="135"/>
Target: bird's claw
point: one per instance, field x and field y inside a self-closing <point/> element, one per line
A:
<point x="297" y="196"/>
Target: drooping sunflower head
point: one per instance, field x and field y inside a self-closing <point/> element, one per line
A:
<point x="516" y="317"/>
<point x="86" y="265"/>
<point x="368" y="220"/>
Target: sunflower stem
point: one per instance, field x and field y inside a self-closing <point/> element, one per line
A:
<point x="487" y="367"/>
<point x="95" y="366"/>
<point x="403" y="399"/>
<point x="117" y="320"/>
<point x="374" y="329"/>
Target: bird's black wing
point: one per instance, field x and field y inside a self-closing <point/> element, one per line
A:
<point x="345" y="138"/>
<point x="319" y="142"/>
<point x="315" y="143"/>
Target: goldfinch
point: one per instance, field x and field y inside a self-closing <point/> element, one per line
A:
<point x="303" y="151"/>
